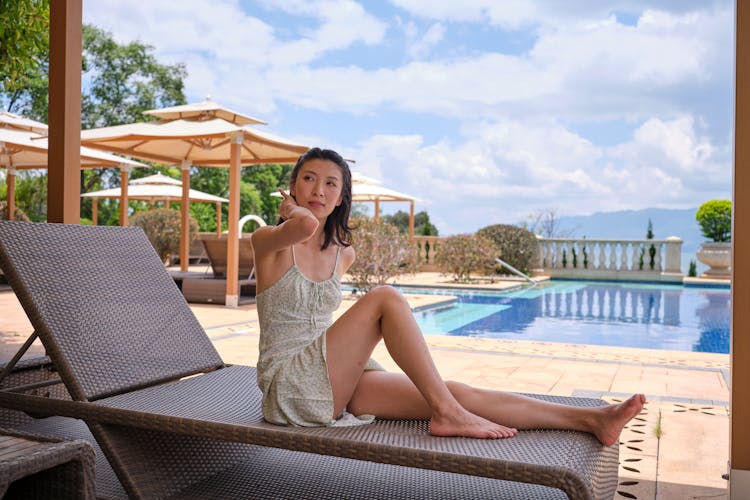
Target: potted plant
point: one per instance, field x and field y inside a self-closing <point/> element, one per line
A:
<point x="715" y="220"/>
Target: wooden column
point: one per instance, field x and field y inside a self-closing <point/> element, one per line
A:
<point x="64" y="160"/>
<point x="377" y="210"/>
<point x="185" y="217"/>
<point x="739" y="429"/>
<point x="94" y="211"/>
<point x="233" y="221"/>
<point x="11" y="194"/>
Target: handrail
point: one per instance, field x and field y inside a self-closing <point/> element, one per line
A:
<point x="516" y="271"/>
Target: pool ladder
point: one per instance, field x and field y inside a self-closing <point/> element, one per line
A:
<point x="516" y="271"/>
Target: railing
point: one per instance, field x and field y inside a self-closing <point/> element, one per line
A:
<point x="428" y="250"/>
<point x="627" y="260"/>
<point x="654" y="260"/>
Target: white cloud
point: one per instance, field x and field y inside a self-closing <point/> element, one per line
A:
<point x="504" y="171"/>
<point x="422" y="46"/>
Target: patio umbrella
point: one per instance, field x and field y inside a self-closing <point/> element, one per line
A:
<point x="24" y="148"/>
<point x="201" y="134"/>
<point x="157" y="188"/>
<point x="376" y="193"/>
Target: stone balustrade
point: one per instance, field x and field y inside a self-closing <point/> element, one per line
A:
<point x="617" y="259"/>
<point x="583" y="258"/>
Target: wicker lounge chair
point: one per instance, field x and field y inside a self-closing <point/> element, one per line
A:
<point x="126" y="346"/>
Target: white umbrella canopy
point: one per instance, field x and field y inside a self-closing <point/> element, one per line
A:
<point x="157" y="178"/>
<point x="22" y="148"/>
<point x="155" y="192"/>
<point x="202" y="134"/>
<point x="18" y="122"/>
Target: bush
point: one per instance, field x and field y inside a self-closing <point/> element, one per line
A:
<point x="715" y="219"/>
<point x="462" y="254"/>
<point x="382" y="253"/>
<point x="518" y="247"/>
<point x="18" y="214"/>
<point x="162" y="226"/>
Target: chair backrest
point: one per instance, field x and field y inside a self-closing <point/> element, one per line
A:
<point x="108" y="313"/>
<point x="216" y="249"/>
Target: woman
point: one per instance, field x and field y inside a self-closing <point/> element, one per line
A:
<point x="312" y="370"/>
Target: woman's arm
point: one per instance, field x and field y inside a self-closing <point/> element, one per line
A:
<point x="299" y="225"/>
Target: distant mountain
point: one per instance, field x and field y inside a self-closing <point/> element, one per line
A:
<point x="634" y="223"/>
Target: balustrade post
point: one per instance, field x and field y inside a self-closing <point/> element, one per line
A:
<point x="673" y="255"/>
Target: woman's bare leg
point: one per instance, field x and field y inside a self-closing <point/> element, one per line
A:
<point x="384" y="314"/>
<point x="393" y="395"/>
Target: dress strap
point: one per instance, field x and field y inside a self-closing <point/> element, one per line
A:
<point x="336" y="264"/>
<point x="294" y="259"/>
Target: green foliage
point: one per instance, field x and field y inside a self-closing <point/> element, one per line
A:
<point x="267" y="179"/>
<point x="692" y="270"/>
<point x="162" y="226"/>
<point x="17" y="213"/>
<point x="422" y="224"/>
<point x="382" y="253"/>
<point x="31" y="194"/>
<point x="715" y="220"/>
<point x="24" y="48"/>
<point x="124" y="80"/>
<point x="517" y="246"/>
<point x="463" y="254"/>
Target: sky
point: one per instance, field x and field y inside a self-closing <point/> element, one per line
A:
<point x="487" y="111"/>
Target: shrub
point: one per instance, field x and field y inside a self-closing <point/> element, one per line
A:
<point x="518" y="247"/>
<point x="18" y="214"/>
<point x="162" y="226"/>
<point x="692" y="270"/>
<point x="462" y="254"/>
<point x="382" y="253"/>
<point x="715" y="220"/>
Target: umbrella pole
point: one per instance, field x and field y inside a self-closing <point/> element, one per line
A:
<point x="94" y="211"/>
<point x="233" y="221"/>
<point x="124" y="179"/>
<point x="185" y="217"/>
<point x="11" y="195"/>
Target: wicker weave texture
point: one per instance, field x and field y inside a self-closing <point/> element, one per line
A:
<point x="33" y="466"/>
<point x="104" y="306"/>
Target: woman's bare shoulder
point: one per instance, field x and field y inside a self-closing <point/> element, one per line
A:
<point x="348" y="255"/>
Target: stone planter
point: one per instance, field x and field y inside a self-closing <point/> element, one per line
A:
<point x="718" y="257"/>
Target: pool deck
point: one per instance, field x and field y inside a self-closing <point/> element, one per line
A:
<point x="676" y="449"/>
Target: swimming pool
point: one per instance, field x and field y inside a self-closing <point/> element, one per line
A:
<point x="652" y="316"/>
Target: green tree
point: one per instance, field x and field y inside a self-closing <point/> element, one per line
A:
<point x="120" y="81"/>
<point x="24" y="50"/>
<point x="422" y="224"/>
<point x="267" y="179"/>
<point x="715" y="220"/>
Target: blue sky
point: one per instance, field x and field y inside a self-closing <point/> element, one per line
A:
<point x="485" y="110"/>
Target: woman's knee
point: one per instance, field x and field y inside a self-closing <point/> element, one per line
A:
<point x="386" y="294"/>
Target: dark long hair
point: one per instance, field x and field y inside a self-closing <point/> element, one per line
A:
<point x="336" y="228"/>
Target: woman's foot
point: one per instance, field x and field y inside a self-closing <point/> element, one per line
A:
<point x="465" y="424"/>
<point x="614" y="418"/>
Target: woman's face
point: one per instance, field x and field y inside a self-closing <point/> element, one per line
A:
<point x="318" y="187"/>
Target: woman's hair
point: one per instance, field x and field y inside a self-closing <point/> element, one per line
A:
<point x="336" y="229"/>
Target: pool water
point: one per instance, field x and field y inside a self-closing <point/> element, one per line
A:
<point x="652" y="316"/>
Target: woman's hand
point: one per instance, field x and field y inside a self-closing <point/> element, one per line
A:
<point x="288" y="204"/>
